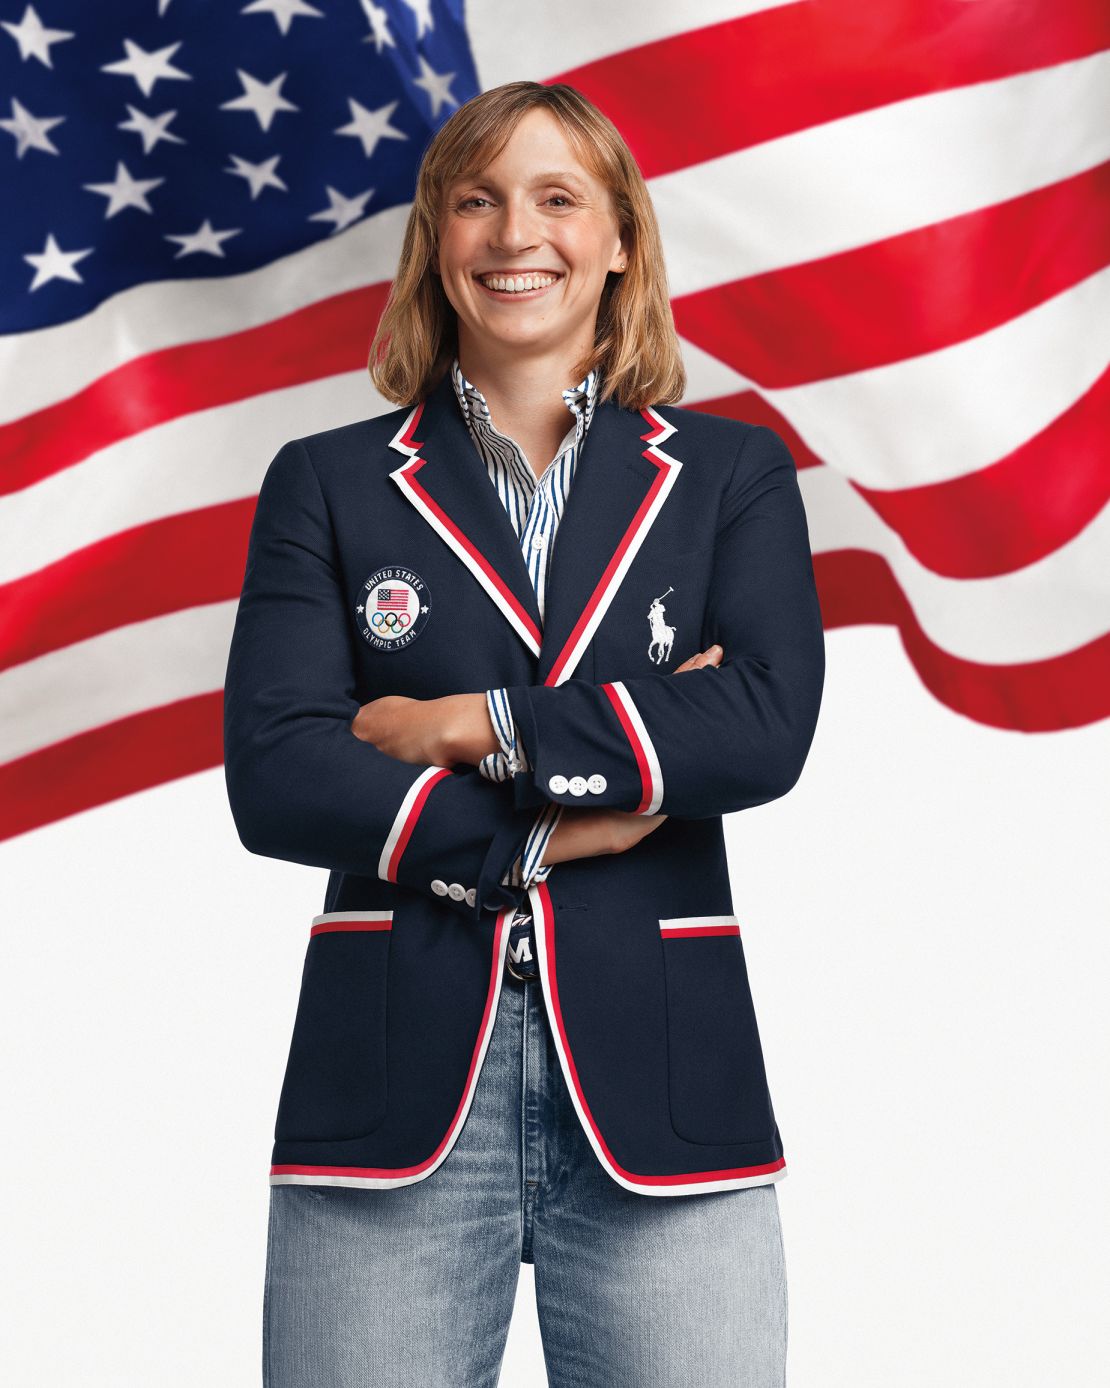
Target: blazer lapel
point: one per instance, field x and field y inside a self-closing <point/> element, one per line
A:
<point x="446" y="480"/>
<point x="621" y="481"/>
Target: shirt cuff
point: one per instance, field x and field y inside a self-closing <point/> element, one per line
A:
<point x="504" y="764"/>
<point x="527" y="867"/>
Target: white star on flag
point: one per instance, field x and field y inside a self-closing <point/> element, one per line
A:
<point x="343" y="211"/>
<point x="379" y="34"/>
<point x="259" y="176"/>
<point x="52" y="263"/>
<point x="436" y="84"/>
<point x="205" y="239"/>
<point x="264" y="99"/>
<point x="30" y="131"/>
<point x="151" y="128"/>
<point x="34" y="40"/>
<point x="283" y="11"/>
<point x="125" y="191"/>
<point x="371" y="126"/>
<point x="147" y="68"/>
<point x="422" y="10"/>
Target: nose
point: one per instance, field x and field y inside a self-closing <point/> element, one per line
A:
<point x="512" y="229"/>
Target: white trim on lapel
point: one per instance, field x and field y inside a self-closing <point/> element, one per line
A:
<point x="406" y="478"/>
<point x="566" y="662"/>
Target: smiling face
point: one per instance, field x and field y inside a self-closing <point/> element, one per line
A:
<point x="534" y="214"/>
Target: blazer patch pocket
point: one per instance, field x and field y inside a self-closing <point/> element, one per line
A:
<point x="716" y="1076"/>
<point x="335" y="1078"/>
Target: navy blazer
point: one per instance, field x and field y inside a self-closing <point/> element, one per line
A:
<point x="382" y="562"/>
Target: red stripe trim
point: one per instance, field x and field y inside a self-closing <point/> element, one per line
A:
<point x="647" y="791"/>
<point x="410" y="821"/>
<point x="760" y="76"/>
<point x="323" y="339"/>
<point x="693" y="931"/>
<point x="297" y="1169"/>
<point x="408" y="476"/>
<point x="682" y="1178"/>
<point x="327" y="927"/>
<point x="554" y="674"/>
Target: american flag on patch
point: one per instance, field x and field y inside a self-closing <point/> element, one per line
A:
<point x="888" y="237"/>
<point x="393" y="598"/>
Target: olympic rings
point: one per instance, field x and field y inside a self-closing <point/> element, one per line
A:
<point x="390" y="621"/>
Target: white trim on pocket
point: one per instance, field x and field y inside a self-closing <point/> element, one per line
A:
<point x="683" y="927"/>
<point x="351" y="920"/>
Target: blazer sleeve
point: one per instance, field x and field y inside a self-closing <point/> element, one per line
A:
<point x="301" y="785"/>
<point x="709" y="741"/>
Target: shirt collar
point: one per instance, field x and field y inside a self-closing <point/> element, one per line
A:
<point x="579" y="399"/>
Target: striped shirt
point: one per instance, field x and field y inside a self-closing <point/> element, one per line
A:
<point x="535" y="507"/>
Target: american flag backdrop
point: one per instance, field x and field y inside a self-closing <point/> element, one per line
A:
<point x="887" y="226"/>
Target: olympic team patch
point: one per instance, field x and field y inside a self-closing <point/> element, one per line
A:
<point x="393" y="609"/>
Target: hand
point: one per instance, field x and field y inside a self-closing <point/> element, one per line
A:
<point x="429" y="732"/>
<point x="409" y="729"/>
<point x="582" y="833"/>
<point x="713" y="655"/>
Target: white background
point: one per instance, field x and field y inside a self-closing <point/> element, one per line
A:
<point x="925" y="919"/>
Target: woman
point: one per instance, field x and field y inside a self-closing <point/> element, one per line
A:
<point x="503" y="659"/>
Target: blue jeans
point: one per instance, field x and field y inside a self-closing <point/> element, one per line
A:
<point x="415" y="1286"/>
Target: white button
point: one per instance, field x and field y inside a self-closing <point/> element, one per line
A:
<point x="577" y="785"/>
<point x="439" y="886"/>
<point x="471" y="895"/>
<point x="537" y="542"/>
<point x="597" y="783"/>
<point x="558" y="784"/>
<point x="456" y="891"/>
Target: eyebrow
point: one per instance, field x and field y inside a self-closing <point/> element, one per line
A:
<point x="549" y="176"/>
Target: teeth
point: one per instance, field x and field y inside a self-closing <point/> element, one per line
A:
<point x="515" y="284"/>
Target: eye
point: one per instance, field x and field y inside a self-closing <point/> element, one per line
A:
<point x="467" y="201"/>
<point x="563" y="196"/>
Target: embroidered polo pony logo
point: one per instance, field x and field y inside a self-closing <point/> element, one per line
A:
<point x="662" y="635"/>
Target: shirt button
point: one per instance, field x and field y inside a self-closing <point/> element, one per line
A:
<point x="558" y="784"/>
<point x="577" y="785"/>
<point x="471" y="896"/>
<point x="456" y="891"/>
<point x="537" y="542"/>
<point x="597" y="783"/>
<point x="439" y="886"/>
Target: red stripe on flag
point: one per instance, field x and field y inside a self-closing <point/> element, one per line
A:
<point x="323" y="339"/>
<point x="1019" y="509"/>
<point x="1065" y="691"/>
<point x="180" y="561"/>
<point x="120" y="758"/>
<point x="761" y="76"/>
<point x="905" y="295"/>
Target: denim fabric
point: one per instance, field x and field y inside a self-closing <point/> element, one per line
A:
<point x="414" y="1287"/>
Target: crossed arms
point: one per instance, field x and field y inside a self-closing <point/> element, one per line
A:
<point x="304" y="788"/>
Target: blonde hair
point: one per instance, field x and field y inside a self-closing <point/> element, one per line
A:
<point x="636" y="349"/>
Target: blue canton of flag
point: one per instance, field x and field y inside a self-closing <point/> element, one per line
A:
<point x="165" y="139"/>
